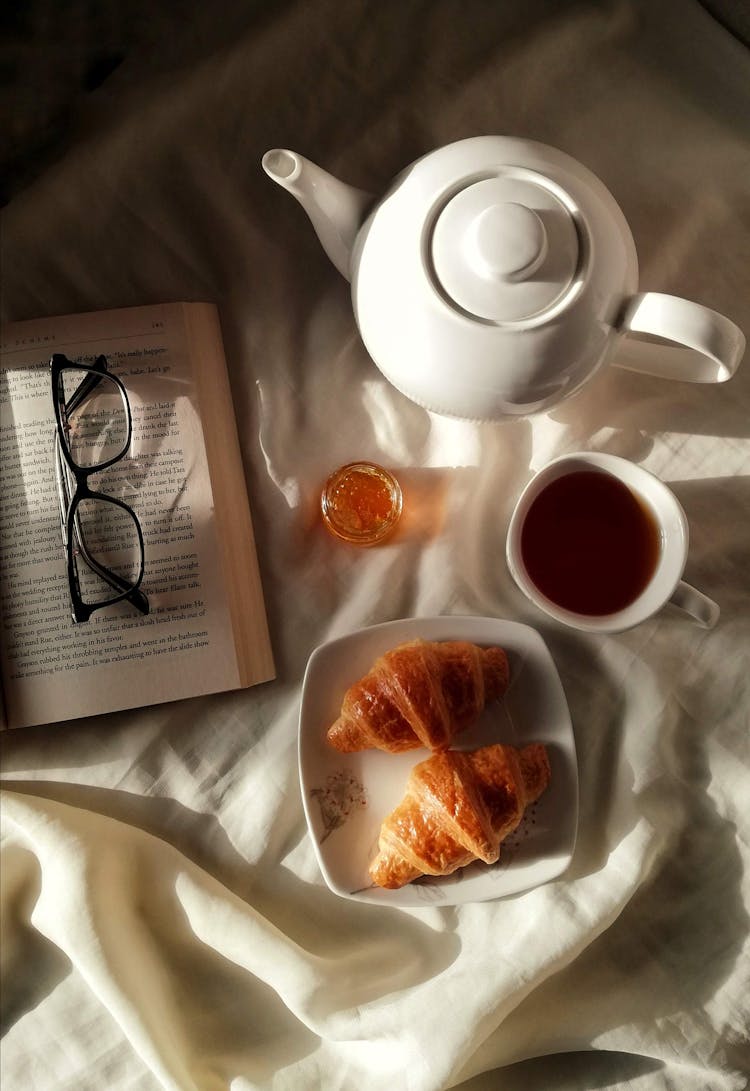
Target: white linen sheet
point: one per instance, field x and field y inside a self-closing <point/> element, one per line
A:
<point x="164" y="920"/>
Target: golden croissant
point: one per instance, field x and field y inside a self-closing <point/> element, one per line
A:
<point x="458" y="807"/>
<point x="419" y="694"/>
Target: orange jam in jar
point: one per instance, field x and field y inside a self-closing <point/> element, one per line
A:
<point x="361" y="503"/>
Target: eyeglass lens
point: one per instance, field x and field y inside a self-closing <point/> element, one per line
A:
<point x="106" y="534"/>
<point x="97" y="428"/>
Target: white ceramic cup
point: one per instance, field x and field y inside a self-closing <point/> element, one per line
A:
<point x="666" y="583"/>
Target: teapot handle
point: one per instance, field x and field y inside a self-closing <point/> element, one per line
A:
<point x="702" y="345"/>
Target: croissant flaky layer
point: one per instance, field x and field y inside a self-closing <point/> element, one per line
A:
<point x="458" y="807"/>
<point x="421" y="693"/>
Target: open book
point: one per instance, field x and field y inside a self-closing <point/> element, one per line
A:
<point x="182" y="476"/>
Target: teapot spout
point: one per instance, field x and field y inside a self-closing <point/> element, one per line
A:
<point x="335" y="209"/>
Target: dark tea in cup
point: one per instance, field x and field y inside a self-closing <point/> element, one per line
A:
<point x="599" y="543"/>
<point x="590" y="543"/>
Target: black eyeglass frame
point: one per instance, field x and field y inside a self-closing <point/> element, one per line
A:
<point x="73" y="539"/>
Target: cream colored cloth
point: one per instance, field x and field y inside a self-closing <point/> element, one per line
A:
<point x="164" y="920"/>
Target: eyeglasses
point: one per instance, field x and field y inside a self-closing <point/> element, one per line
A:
<point x="94" y="429"/>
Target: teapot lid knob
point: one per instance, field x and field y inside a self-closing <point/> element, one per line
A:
<point x="505" y="248"/>
<point x="506" y="241"/>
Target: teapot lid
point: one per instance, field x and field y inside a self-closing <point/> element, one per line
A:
<point x="505" y="248"/>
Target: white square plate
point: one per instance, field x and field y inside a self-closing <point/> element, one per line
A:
<point x="347" y="796"/>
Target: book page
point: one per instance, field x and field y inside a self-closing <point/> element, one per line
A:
<point x="54" y="669"/>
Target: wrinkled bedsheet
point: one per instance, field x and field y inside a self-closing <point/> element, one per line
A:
<point x="164" y="920"/>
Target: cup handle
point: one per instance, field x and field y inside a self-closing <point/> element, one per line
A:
<point x="699" y="606"/>
<point x="705" y="347"/>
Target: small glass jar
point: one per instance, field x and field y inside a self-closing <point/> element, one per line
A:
<point x="361" y="503"/>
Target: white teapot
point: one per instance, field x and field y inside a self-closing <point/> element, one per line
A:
<point x="497" y="275"/>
